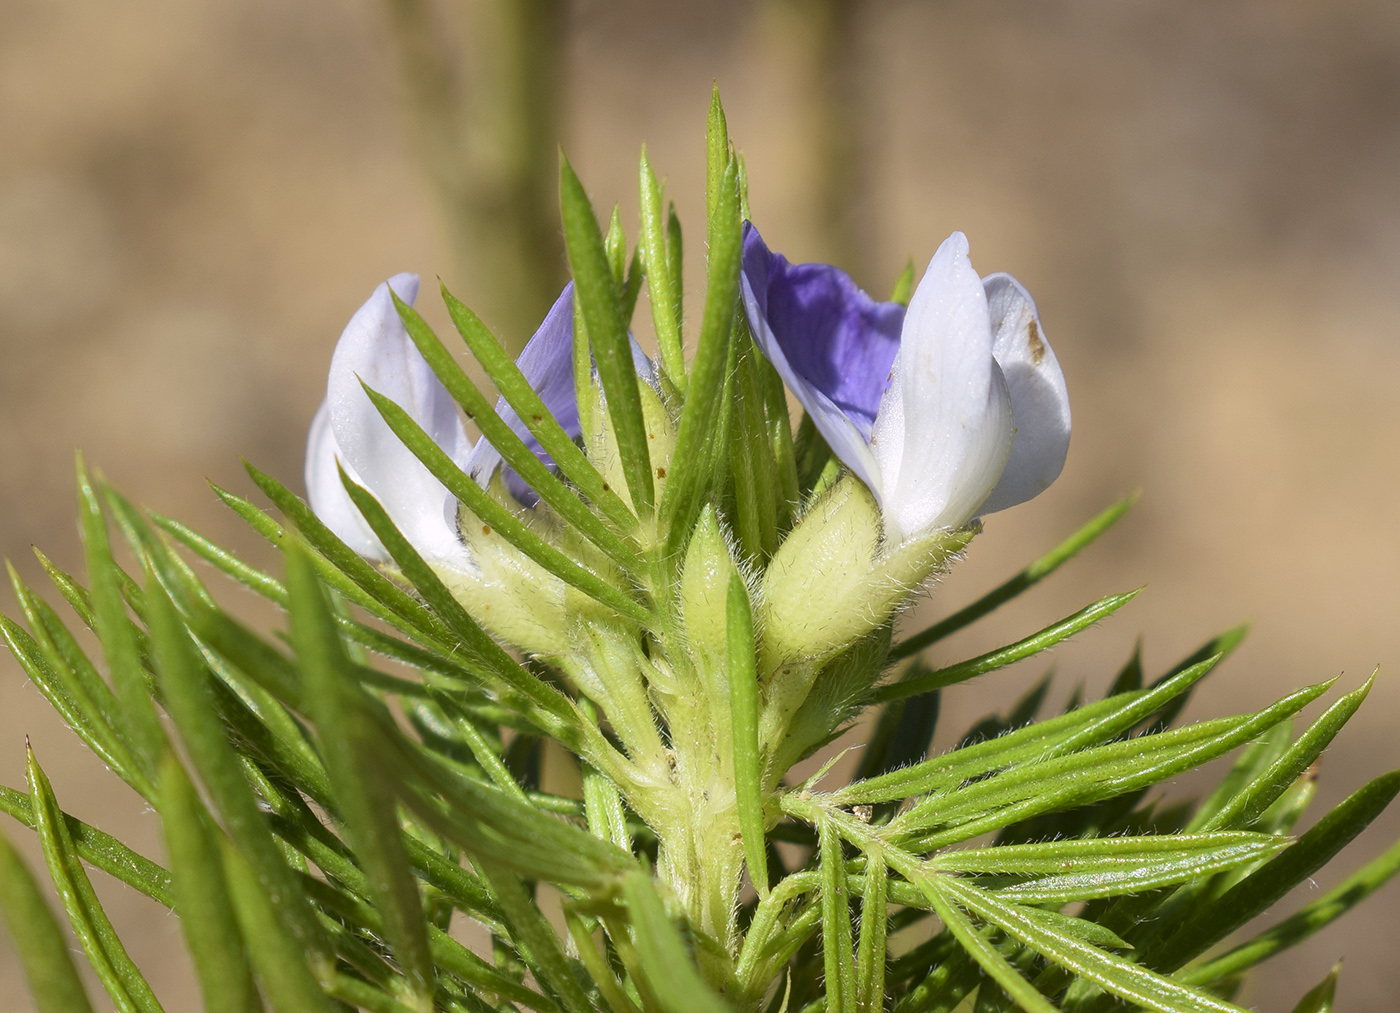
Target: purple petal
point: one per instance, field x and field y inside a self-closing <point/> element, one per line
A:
<point x="833" y="335"/>
<point x="547" y="364"/>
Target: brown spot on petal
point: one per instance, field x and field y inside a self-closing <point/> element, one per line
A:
<point x="660" y="472"/>
<point x="1034" y="342"/>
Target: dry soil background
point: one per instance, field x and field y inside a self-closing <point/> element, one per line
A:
<point x="1204" y="198"/>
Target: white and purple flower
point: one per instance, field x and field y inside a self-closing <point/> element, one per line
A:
<point x="375" y="348"/>
<point x="950" y="410"/>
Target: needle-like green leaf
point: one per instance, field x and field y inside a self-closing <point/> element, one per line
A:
<point x="117" y="634"/>
<point x="280" y="962"/>
<point x="105" y="952"/>
<point x="1259" y="891"/>
<point x="43" y="951"/>
<point x="925" y="682"/>
<point x="1023" y="581"/>
<point x="1321" y="996"/>
<point x="538" y="420"/>
<point x="1294" y="929"/>
<point x="874" y="928"/>
<point x="189" y="701"/>
<point x="986" y="955"/>
<point x="201" y="897"/>
<point x="98" y="849"/>
<point x="837" y="957"/>
<point x="601" y="303"/>
<point x="669" y="970"/>
<point x="662" y="285"/>
<point x="692" y="473"/>
<point x="500" y="519"/>
<point x="363" y="792"/>
<point x="1113" y="974"/>
<point x="341" y="557"/>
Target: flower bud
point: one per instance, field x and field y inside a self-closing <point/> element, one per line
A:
<point x="516" y="599"/>
<point x="704" y="589"/>
<point x="831" y="582"/>
<point x="602" y="444"/>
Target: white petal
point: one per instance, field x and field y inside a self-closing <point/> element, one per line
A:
<point x="327" y="495"/>
<point x="944" y="428"/>
<point x="840" y="433"/>
<point x="375" y="348"/>
<point x="1039" y="401"/>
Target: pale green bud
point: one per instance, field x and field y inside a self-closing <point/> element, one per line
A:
<point x="516" y="599"/>
<point x="704" y="590"/>
<point x="832" y="582"/>
<point x="602" y="443"/>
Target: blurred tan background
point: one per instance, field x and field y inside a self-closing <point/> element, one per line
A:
<point x="1203" y="197"/>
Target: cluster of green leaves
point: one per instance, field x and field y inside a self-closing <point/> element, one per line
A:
<point x="338" y="797"/>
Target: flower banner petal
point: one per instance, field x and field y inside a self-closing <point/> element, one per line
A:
<point x="944" y="429"/>
<point x="326" y="493"/>
<point x="376" y="348"/>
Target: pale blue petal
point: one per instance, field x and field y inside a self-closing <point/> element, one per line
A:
<point x="1039" y="400"/>
<point x="944" y="428"/>
<point x="375" y="348"/>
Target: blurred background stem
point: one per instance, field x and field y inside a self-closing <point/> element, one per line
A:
<point x="483" y="79"/>
<point x="824" y="53"/>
